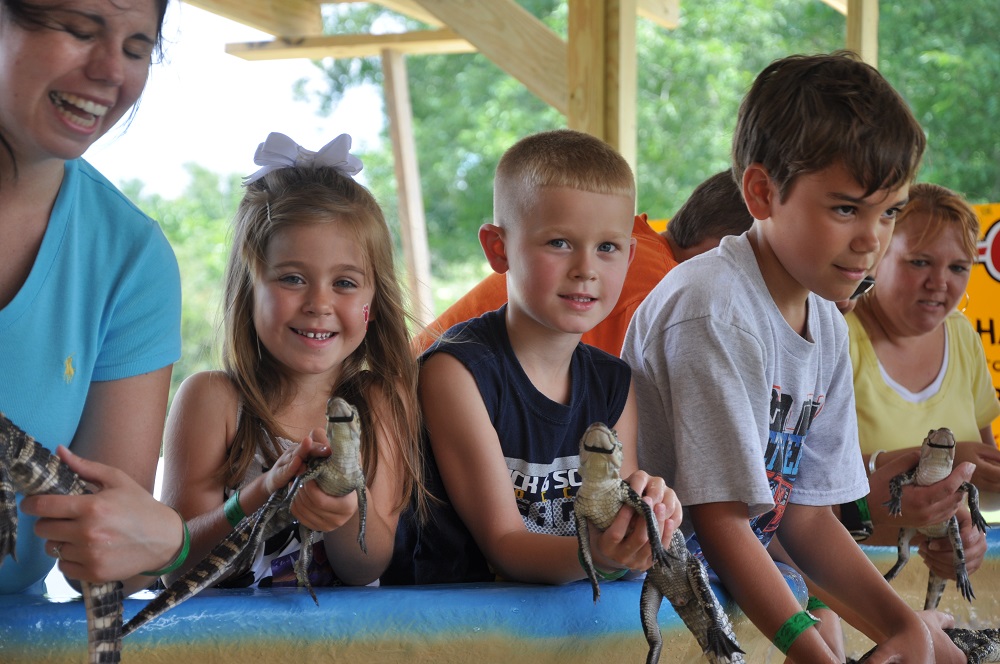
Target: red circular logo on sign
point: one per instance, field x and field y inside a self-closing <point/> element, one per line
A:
<point x="989" y="251"/>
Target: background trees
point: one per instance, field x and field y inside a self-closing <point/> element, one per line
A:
<point x="942" y="56"/>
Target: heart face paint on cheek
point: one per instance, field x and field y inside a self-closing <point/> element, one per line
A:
<point x="364" y="312"/>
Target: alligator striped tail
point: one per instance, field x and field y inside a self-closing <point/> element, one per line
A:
<point x="228" y="555"/>
<point x="28" y="468"/>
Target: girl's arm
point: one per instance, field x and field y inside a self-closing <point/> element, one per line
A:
<point x="468" y="454"/>
<point x="750" y="576"/>
<point x="824" y="551"/>
<point x="120" y="530"/>
<point x="200" y="427"/>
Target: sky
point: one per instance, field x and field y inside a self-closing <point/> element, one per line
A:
<point x="204" y="106"/>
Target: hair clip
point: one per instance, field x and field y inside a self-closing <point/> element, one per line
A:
<point x="279" y="151"/>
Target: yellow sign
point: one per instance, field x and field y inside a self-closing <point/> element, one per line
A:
<point x="984" y="287"/>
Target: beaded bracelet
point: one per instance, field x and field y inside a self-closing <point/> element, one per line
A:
<point x="815" y="603"/>
<point x="792" y="629"/>
<point x="181" y="557"/>
<point x="607" y="576"/>
<point x="233" y="510"/>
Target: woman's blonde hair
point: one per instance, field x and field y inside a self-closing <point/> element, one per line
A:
<point x="381" y="365"/>
<point x="942" y="208"/>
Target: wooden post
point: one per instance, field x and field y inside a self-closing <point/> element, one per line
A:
<point x="413" y="229"/>
<point x="862" y="29"/>
<point x="602" y="72"/>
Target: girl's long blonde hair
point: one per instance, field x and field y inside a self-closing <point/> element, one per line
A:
<point x="382" y="363"/>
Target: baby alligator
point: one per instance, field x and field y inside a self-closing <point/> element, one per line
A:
<point x="937" y="456"/>
<point x="28" y="468"/>
<point x="338" y="474"/>
<point x="683" y="582"/>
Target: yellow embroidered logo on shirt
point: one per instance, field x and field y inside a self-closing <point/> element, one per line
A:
<point x="69" y="371"/>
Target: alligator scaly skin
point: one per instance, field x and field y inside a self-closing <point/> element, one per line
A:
<point x="28" y="468"/>
<point x="937" y="456"/>
<point x="979" y="645"/>
<point x="675" y="575"/>
<point x="337" y="474"/>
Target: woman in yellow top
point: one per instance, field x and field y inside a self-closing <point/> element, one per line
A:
<point x="919" y="365"/>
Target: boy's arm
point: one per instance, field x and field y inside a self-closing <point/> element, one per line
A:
<point x="469" y="457"/>
<point x="749" y="575"/>
<point x="824" y="550"/>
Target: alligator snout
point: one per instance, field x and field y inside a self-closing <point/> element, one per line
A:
<point x="600" y="439"/>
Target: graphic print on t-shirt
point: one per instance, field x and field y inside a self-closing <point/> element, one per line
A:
<point x="781" y="461"/>
<point x="545" y="493"/>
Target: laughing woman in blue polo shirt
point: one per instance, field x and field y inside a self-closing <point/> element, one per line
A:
<point x="89" y="292"/>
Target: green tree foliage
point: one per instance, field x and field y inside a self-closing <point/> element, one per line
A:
<point x="197" y="225"/>
<point x="941" y="56"/>
<point x="944" y="58"/>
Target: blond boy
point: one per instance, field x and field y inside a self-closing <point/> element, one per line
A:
<point x="507" y="396"/>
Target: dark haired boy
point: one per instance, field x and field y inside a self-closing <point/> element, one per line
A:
<point x="740" y="357"/>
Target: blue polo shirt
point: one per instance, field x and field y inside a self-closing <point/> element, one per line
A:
<point x="102" y="302"/>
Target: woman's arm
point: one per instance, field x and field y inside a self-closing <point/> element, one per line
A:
<point x="120" y="530"/>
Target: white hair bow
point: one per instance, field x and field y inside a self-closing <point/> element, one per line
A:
<point x="279" y="151"/>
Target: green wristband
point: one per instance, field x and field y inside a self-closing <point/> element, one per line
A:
<point x="233" y="510"/>
<point x="181" y="557"/>
<point x="792" y="629"/>
<point x="863" y="510"/>
<point x="815" y="603"/>
<point x="607" y="576"/>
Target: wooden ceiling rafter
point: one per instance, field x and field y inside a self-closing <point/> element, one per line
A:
<point x="352" y="46"/>
<point x="275" y="17"/>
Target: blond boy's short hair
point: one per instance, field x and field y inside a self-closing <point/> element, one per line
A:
<point x="559" y="158"/>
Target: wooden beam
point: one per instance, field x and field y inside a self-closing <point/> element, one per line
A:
<point x="413" y="229"/>
<point x="602" y="72"/>
<point x="291" y="18"/>
<point x="412" y="9"/>
<point x="622" y="74"/>
<point x="514" y="40"/>
<point x="862" y="29"/>
<point x="666" y="13"/>
<point x="839" y="5"/>
<point x="585" y="67"/>
<point x="351" y="46"/>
